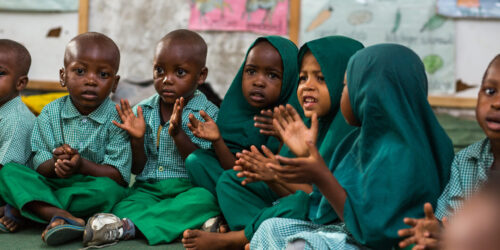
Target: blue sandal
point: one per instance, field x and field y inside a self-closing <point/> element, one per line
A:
<point x="63" y="233"/>
<point x="7" y="212"/>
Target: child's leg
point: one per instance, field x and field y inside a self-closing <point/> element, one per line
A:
<point x="180" y="206"/>
<point x="204" y="169"/>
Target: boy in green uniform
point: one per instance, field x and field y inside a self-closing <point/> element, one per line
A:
<point x="16" y="121"/>
<point x="81" y="161"/>
<point x="163" y="203"/>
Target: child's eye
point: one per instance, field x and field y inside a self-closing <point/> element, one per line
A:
<point x="302" y="79"/>
<point x="321" y="78"/>
<point x="79" y="71"/>
<point x="273" y="76"/>
<point x="490" y="91"/>
<point x="181" y="72"/>
<point x="159" y="70"/>
<point x="250" y="71"/>
<point x="104" y="75"/>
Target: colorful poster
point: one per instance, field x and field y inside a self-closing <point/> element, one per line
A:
<point x="469" y="8"/>
<point x="260" y="16"/>
<point x="413" y="23"/>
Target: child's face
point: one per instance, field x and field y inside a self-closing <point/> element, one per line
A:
<point x="262" y="75"/>
<point x="345" y="106"/>
<point x="312" y="91"/>
<point x="475" y="227"/>
<point x="488" y="103"/>
<point x="90" y="76"/>
<point x="177" y="71"/>
<point x="9" y="78"/>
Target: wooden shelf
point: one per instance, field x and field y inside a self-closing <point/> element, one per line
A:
<point x="452" y="102"/>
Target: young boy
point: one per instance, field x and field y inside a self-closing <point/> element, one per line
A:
<point x="16" y="121"/>
<point x="81" y="161"/>
<point x="470" y="167"/>
<point x="163" y="203"/>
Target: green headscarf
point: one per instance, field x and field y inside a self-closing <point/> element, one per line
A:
<point x="332" y="54"/>
<point x="236" y="115"/>
<point x="399" y="158"/>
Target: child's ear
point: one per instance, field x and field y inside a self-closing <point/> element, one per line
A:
<point x="115" y="84"/>
<point x="62" y="75"/>
<point x="203" y="75"/>
<point x="22" y="82"/>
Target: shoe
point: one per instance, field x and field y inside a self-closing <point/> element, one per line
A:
<point x="104" y="228"/>
<point x="213" y="224"/>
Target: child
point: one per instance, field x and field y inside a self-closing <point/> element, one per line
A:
<point x="470" y="167"/>
<point x="477" y="225"/>
<point x="162" y="202"/>
<point x="16" y="121"/>
<point x="267" y="78"/>
<point x="371" y="180"/>
<point x="318" y="95"/>
<point x="81" y="161"/>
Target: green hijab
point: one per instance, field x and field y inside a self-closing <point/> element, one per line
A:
<point x="399" y="158"/>
<point x="332" y="54"/>
<point x="236" y="115"/>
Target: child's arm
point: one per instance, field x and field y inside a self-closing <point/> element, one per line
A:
<point x="209" y="131"/>
<point x="312" y="169"/>
<point x="136" y="128"/>
<point x="181" y="139"/>
<point x="292" y="129"/>
<point x="424" y="233"/>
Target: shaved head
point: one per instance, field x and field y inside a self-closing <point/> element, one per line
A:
<point x="20" y="54"/>
<point x="93" y="41"/>
<point x="195" y="46"/>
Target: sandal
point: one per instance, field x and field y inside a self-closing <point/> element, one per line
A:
<point x="63" y="233"/>
<point x="7" y="212"/>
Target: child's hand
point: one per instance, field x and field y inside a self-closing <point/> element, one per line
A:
<point x="302" y="169"/>
<point x="207" y="130"/>
<point x="134" y="125"/>
<point x="252" y="165"/>
<point x="62" y="152"/>
<point x="424" y="232"/>
<point x="292" y="129"/>
<point x="67" y="167"/>
<point x="176" y="118"/>
<point x="264" y="121"/>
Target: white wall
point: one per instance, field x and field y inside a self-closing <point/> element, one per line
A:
<point x="478" y="41"/>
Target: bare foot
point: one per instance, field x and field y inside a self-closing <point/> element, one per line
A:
<point x="247" y="246"/>
<point x="223" y="228"/>
<point x="11" y="225"/>
<point x="197" y="239"/>
<point x="58" y="222"/>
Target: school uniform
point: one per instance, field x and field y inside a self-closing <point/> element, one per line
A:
<point x="162" y="202"/>
<point x="389" y="167"/>
<point x="95" y="138"/>
<point x="246" y="207"/>
<point x="236" y="118"/>
<point x="16" y="124"/>
<point x="469" y="171"/>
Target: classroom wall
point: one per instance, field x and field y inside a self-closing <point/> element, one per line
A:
<point x="136" y="26"/>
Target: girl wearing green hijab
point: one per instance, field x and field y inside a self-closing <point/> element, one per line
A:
<point x="266" y="79"/>
<point x="245" y="207"/>
<point x="383" y="171"/>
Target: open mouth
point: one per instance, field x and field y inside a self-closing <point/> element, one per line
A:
<point x="309" y="102"/>
<point x="257" y="96"/>
<point x="493" y="123"/>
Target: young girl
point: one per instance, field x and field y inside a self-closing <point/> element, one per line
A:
<point x="266" y="79"/>
<point x="318" y="95"/>
<point x="397" y="159"/>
